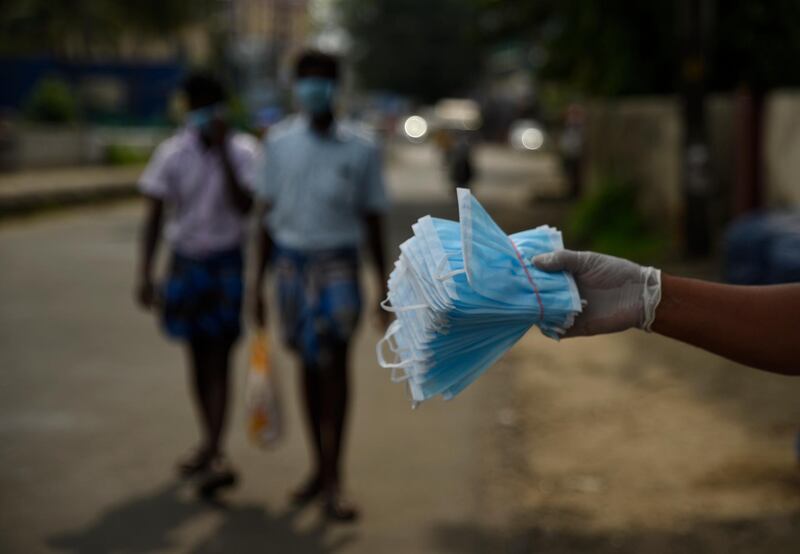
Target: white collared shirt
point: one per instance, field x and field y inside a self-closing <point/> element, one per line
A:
<point x="190" y="179"/>
<point x="319" y="187"/>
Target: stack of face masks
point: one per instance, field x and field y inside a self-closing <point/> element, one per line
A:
<point x="463" y="293"/>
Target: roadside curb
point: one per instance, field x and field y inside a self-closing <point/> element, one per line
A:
<point x="25" y="203"/>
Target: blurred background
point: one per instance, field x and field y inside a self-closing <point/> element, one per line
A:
<point x="668" y="133"/>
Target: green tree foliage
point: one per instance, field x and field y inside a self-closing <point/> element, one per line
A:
<point x="757" y="43"/>
<point x="611" y="47"/>
<point x="81" y="27"/>
<point x="617" y="47"/>
<point x="155" y="17"/>
<point x="425" y="49"/>
<point x="41" y="26"/>
<point x="52" y="101"/>
<point x="597" y="47"/>
<point x="608" y="219"/>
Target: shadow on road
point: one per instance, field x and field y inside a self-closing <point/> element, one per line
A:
<point x="251" y="529"/>
<point x="149" y="523"/>
<point x="772" y="533"/>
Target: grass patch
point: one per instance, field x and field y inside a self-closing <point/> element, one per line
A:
<point x="608" y="219"/>
<point x="122" y="154"/>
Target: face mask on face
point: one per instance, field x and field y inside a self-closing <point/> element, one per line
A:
<point x="315" y="94"/>
<point x="463" y="293"/>
<point x="202" y="118"/>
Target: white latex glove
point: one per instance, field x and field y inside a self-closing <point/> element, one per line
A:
<point x="617" y="294"/>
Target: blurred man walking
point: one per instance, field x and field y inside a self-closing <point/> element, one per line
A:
<point x="200" y="178"/>
<point x="323" y="193"/>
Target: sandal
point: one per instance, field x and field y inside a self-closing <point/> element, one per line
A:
<point x="196" y="462"/>
<point x="307" y="492"/>
<point x="337" y="510"/>
<point x="219" y="475"/>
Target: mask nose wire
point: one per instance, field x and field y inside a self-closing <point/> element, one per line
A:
<point x="530" y="279"/>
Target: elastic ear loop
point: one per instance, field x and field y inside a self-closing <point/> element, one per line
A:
<point x="439" y="276"/>
<point x="385" y="305"/>
<point x="418" y="283"/>
<point x="438" y="327"/>
<point x="385" y="302"/>
<point x="388" y="308"/>
<point x="386" y="339"/>
<point x="398" y="373"/>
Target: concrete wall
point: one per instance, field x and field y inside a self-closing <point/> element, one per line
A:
<point x="638" y="140"/>
<point x="32" y="147"/>
<point x="50" y="147"/>
<point x="782" y="149"/>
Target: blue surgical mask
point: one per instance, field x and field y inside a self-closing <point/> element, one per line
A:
<point x="201" y="118"/>
<point x="315" y="94"/>
<point x="464" y="292"/>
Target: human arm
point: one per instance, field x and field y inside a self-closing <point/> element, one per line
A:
<point x="264" y="249"/>
<point x="239" y="195"/>
<point x="266" y="190"/>
<point x="374" y="226"/>
<point x="375" y="204"/>
<point x="756" y="326"/>
<point x="148" y="247"/>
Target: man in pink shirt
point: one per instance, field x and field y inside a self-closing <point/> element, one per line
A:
<point x="200" y="178"/>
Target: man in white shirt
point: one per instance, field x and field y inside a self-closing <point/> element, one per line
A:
<point x="200" y="178"/>
<point x="322" y="187"/>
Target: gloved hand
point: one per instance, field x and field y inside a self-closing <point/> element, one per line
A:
<point x="617" y="294"/>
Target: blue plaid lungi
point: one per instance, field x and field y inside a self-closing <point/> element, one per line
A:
<point x="319" y="299"/>
<point x="202" y="298"/>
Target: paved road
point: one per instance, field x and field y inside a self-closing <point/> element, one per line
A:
<point x="94" y="411"/>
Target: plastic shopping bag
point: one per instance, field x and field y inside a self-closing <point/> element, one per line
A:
<point x="264" y="422"/>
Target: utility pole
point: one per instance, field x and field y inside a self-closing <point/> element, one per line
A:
<point x="695" y="24"/>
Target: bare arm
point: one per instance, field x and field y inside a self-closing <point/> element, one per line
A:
<point x="238" y="194"/>
<point x="263" y="256"/>
<point x="374" y="226"/>
<point x="755" y="326"/>
<point x="151" y="233"/>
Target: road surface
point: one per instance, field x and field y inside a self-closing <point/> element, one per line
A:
<point x="94" y="409"/>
